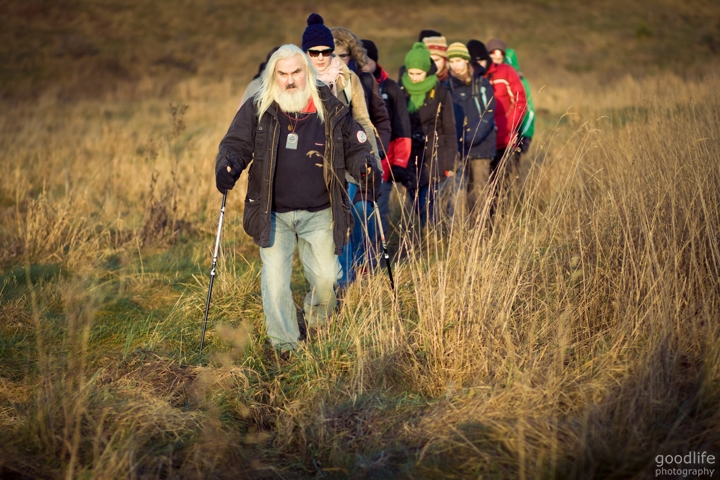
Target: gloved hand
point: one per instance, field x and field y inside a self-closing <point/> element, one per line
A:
<point x="226" y="175"/>
<point x="386" y="169"/>
<point x="525" y="144"/>
<point x="399" y="174"/>
<point x="369" y="188"/>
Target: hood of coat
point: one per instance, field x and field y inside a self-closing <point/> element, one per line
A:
<point x="511" y="59"/>
<point x="345" y="38"/>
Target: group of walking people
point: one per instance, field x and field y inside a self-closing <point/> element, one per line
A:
<point x="326" y="133"/>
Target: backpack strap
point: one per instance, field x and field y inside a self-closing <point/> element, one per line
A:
<point x="366" y="80"/>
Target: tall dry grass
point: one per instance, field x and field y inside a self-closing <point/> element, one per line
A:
<point x="576" y="338"/>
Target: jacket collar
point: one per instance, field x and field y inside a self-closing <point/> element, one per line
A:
<point x="332" y="105"/>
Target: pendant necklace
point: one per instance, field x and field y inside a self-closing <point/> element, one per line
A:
<point x="292" y="138"/>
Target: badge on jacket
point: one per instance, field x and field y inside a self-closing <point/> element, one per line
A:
<point x="362" y="138"/>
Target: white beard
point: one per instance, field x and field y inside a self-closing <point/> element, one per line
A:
<point x="291" y="101"/>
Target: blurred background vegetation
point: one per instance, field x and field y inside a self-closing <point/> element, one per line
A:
<point x="90" y="47"/>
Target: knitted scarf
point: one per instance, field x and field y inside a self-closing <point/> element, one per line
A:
<point x="330" y="75"/>
<point x="418" y="90"/>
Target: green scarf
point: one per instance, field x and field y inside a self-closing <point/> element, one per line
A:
<point x="418" y="90"/>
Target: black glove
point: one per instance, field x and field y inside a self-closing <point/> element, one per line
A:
<point x="369" y="188"/>
<point x="399" y="174"/>
<point x="525" y="144"/>
<point x="226" y="175"/>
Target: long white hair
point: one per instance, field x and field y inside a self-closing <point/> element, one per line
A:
<point x="265" y="97"/>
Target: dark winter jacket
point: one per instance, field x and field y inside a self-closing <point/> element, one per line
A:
<point x="250" y="138"/>
<point x="400" y="143"/>
<point x="474" y="116"/>
<point x="379" y="116"/>
<point x="434" y="141"/>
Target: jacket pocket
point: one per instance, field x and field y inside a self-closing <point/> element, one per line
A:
<point x="252" y="217"/>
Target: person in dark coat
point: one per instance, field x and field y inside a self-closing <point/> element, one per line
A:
<point x="398" y="152"/>
<point x="298" y="140"/>
<point x="432" y="126"/>
<point x="425" y="33"/>
<point x="474" y="121"/>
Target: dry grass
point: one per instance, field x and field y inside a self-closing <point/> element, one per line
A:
<point x="575" y="339"/>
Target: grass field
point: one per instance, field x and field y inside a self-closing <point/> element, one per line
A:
<point x="577" y="339"/>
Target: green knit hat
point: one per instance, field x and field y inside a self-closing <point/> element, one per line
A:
<point x="458" y="50"/>
<point x="418" y="57"/>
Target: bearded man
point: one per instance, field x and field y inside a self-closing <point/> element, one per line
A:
<point x="301" y="141"/>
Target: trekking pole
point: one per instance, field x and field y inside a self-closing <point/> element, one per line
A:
<point x="212" y="271"/>
<point x="384" y="246"/>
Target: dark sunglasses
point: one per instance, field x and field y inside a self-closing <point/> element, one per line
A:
<point x="325" y="53"/>
<point x="343" y="55"/>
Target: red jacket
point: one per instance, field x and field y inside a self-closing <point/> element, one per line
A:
<point x="510" y="102"/>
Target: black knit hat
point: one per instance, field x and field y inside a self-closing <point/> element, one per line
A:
<point x="316" y="34"/>
<point x="477" y="50"/>
<point x="371" y="48"/>
<point x="428" y="33"/>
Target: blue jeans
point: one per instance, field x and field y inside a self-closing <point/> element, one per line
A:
<point x="364" y="235"/>
<point x="312" y="232"/>
<point x="361" y="245"/>
<point x="423" y="203"/>
<point x="384" y="204"/>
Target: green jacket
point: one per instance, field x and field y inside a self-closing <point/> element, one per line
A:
<point x="527" y="129"/>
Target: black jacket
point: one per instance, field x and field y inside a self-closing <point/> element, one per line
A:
<point x="434" y="140"/>
<point x="474" y="116"/>
<point x="377" y="110"/>
<point x="252" y="139"/>
<point x="392" y="94"/>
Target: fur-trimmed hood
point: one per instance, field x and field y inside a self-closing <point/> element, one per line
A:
<point x="345" y="38"/>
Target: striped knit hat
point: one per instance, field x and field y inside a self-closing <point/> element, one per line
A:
<point x="458" y="50"/>
<point x="436" y="45"/>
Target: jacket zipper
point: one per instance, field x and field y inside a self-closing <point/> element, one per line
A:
<point x="270" y="176"/>
<point x="329" y="166"/>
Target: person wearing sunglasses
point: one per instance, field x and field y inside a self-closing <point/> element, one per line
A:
<point x="318" y="43"/>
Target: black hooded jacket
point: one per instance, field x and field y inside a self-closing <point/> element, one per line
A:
<point x="434" y="140"/>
